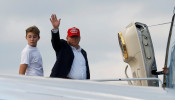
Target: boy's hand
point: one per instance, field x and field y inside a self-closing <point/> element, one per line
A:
<point x="55" y="22"/>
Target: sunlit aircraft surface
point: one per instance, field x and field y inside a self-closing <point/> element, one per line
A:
<point x="42" y="88"/>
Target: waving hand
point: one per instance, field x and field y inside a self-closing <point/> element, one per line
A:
<point x="55" y="22"/>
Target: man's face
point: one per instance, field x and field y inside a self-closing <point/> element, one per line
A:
<point x="32" y="39"/>
<point x="73" y="40"/>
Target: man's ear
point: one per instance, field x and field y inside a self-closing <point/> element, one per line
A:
<point x="67" y="38"/>
<point x="38" y="37"/>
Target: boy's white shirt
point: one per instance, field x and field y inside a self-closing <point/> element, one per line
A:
<point x="32" y="57"/>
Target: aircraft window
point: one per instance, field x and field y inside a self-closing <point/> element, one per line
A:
<point x="122" y="45"/>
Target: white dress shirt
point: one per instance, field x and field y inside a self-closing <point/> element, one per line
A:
<point x="78" y="68"/>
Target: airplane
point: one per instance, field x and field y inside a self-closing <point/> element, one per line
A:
<point x="137" y="50"/>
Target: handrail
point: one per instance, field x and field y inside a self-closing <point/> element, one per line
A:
<point x="129" y="79"/>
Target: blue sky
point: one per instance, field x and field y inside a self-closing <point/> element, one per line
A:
<point x="99" y="22"/>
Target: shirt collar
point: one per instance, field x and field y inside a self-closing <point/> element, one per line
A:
<point x="30" y="47"/>
<point x="73" y="48"/>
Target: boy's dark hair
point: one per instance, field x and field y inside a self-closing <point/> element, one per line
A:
<point x="33" y="29"/>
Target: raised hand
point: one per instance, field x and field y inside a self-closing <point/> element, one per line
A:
<point x="55" y="22"/>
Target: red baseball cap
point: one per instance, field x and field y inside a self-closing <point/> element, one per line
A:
<point x="73" y="31"/>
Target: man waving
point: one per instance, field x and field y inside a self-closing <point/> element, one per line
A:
<point x="71" y="59"/>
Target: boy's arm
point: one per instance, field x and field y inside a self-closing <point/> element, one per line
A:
<point x="22" y="69"/>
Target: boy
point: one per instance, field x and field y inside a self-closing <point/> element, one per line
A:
<point x="31" y="60"/>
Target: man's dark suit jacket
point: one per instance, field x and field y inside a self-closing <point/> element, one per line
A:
<point x="64" y="57"/>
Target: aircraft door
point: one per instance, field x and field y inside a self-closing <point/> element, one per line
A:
<point x="169" y="79"/>
<point x="137" y="50"/>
